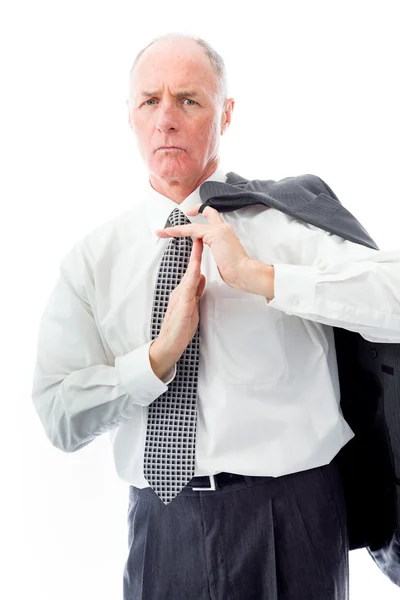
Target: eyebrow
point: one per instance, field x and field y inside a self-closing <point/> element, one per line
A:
<point x="187" y="93"/>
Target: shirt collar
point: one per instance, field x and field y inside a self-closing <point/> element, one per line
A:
<point x="159" y="207"/>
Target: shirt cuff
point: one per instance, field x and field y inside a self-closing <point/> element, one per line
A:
<point x="294" y="289"/>
<point x="138" y="378"/>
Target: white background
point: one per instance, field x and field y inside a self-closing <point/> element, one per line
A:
<point x="316" y="91"/>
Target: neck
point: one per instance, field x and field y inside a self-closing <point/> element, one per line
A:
<point x="178" y="190"/>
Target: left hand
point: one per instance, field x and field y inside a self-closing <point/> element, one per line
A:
<point x="230" y="256"/>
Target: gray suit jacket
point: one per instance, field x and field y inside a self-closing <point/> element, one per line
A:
<point x="368" y="371"/>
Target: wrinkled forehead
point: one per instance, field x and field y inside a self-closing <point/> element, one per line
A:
<point x="175" y="73"/>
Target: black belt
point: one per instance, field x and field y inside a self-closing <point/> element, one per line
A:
<point x="206" y="482"/>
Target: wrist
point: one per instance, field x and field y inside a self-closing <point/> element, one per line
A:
<point x="259" y="279"/>
<point x="161" y="360"/>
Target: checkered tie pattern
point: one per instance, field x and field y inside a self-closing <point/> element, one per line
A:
<point x="169" y="455"/>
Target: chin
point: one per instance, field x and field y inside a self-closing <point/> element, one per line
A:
<point x="169" y="168"/>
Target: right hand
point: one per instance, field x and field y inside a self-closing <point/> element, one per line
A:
<point x="181" y="318"/>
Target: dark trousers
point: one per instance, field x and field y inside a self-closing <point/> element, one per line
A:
<point x="265" y="538"/>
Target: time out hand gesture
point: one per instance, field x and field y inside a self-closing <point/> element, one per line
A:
<point x="235" y="267"/>
<point x="230" y="256"/>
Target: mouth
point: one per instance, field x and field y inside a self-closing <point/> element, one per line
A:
<point x="165" y="148"/>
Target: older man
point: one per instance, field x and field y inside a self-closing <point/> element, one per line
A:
<point x="226" y="441"/>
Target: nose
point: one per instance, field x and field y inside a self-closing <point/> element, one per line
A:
<point x="167" y="117"/>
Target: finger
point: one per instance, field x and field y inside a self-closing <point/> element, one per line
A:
<point x="196" y="265"/>
<point x="192" y="212"/>
<point x="195" y="257"/>
<point x="191" y="274"/>
<point x="197" y="249"/>
<point x="181" y="231"/>
<point x="213" y="216"/>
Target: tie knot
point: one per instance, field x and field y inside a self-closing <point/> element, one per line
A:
<point x="177" y="218"/>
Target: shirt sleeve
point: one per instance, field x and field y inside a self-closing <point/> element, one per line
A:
<point x="340" y="283"/>
<point x="76" y="392"/>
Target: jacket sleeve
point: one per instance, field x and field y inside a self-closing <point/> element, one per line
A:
<point x="77" y="391"/>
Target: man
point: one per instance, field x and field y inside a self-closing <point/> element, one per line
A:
<point x="267" y="432"/>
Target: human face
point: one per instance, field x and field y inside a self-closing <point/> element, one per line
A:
<point x="175" y="102"/>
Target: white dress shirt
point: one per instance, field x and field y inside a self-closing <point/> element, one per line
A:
<point x="268" y="388"/>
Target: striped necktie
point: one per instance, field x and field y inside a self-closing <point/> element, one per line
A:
<point x="169" y="455"/>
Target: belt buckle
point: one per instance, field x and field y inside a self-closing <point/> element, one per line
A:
<point x="213" y="485"/>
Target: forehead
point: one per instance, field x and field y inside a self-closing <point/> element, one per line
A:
<point x="181" y="67"/>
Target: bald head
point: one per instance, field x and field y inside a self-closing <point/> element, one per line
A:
<point x="199" y="49"/>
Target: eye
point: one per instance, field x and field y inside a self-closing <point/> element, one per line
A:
<point x="151" y="99"/>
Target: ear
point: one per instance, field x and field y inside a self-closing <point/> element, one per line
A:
<point x="227" y="114"/>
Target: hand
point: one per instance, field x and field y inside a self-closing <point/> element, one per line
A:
<point x="182" y="315"/>
<point x="230" y="256"/>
